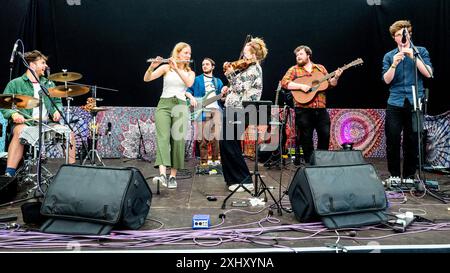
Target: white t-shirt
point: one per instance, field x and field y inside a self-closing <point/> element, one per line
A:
<point x="37" y="88"/>
<point x="209" y="86"/>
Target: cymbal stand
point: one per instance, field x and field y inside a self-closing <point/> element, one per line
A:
<point x="93" y="153"/>
<point x="26" y="173"/>
<point x="69" y="99"/>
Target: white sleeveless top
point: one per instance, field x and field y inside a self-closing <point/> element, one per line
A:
<point x="174" y="86"/>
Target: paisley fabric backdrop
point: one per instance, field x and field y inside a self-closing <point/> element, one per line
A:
<point x="124" y="131"/>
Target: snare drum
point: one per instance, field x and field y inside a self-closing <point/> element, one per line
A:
<point x="51" y="134"/>
<point x="56" y="133"/>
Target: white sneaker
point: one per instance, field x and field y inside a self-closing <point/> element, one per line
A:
<point x="210" y="162"/>
<point x="172" y="183"/>
<point x="249" y="187"/>
<point x="216" y="162"/>
<point x="161" y="179"/>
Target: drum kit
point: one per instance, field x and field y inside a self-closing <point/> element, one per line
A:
<point x="52" y="134"/>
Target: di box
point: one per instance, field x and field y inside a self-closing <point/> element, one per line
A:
<point x="339" y="196"/>
<point x="93" y="200"/>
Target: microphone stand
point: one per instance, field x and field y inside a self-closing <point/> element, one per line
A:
<point x="418" y="113"/>
<point x="44" y="91"/>
<point x="141" y="142"/>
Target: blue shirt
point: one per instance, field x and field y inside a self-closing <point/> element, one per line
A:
<point x="198" y="87"/>
<point x="401" y="84"/>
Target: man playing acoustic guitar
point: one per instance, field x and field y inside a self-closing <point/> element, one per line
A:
<point x="310" y="111"/>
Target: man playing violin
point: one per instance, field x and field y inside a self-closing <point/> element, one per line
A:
<point x="245" y="78"/>
<point x="312" y="115"/>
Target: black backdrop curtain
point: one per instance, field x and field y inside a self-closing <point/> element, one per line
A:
<point x="108" y="41"/>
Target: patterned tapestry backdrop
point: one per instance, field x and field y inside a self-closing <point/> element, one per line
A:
<point x="122" y="131"/>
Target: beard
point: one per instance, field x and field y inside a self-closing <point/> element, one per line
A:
<point x="207" y="71"/>
<point x="301" y="62"/>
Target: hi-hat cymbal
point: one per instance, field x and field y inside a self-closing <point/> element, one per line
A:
<point x="65" y="77"/>
<point x="19" y="101"/>
<point x="62" y="91"/>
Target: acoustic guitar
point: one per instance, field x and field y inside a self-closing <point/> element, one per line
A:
<point x="317" y="83"/>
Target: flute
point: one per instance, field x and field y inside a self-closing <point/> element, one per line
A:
<point x="167" y="60"/>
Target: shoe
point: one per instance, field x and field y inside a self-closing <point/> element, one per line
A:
<point x="210" y="162"/>
<point x="8" y="175"/>
<point x="172" y="183"/>
<point x="160" y="179"/>
<point x="216" y="162"/>
<point x="249" y="187"/>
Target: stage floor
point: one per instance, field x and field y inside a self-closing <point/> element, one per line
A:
<point x="243" y="229"/>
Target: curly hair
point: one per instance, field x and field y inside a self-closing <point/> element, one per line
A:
<point x="258" y="47"/>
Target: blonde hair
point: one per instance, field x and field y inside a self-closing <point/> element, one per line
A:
<point x="176" y="51"/>
<point x="400" y="24"/>
<point x="258" y="47"/>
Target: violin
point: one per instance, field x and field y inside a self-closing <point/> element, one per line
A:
<point x="238" y="65"/>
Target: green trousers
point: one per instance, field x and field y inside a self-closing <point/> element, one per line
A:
<point x="171" y="119"/>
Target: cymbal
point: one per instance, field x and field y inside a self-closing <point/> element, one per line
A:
<point x="61" y="91"/>
<point x="65" y="77"/>
<point x="20" y="101"/>
<point x="98" y="109"/>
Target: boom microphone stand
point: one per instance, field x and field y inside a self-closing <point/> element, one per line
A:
<point x="417" y="107"/>
<point x="418" y="115"/>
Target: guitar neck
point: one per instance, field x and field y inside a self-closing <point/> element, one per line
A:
<point x="208" y="101"/>
<point x="330" y="75"/>
<point x="278" y="91"/>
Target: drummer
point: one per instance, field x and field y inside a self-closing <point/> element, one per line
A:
<point x="28" y="86"/>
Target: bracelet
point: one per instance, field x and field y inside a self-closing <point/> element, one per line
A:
<point x="393" y="66"/>
<point x="150" y="70"/>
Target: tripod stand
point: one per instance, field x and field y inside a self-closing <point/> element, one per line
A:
<point x="93" y="154"/>
<point x="141" y="142"/>
<point x="257" y="110"/>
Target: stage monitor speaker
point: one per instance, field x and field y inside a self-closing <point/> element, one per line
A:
<point x="93" y="200"/>
<point x="336" y="158"/>
<point x="8" y="188"/>
<point x="339" y="196"/>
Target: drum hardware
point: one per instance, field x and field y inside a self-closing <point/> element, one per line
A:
<point x="93" y="153"/>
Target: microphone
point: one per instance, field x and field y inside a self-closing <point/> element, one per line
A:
<point x="404" y="36"/>
<point x="47" y="71"/>
<point x="108" y="130"/>
<point x="13" y="53"/>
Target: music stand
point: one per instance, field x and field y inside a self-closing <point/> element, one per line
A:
<point x="257" y="113"/>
